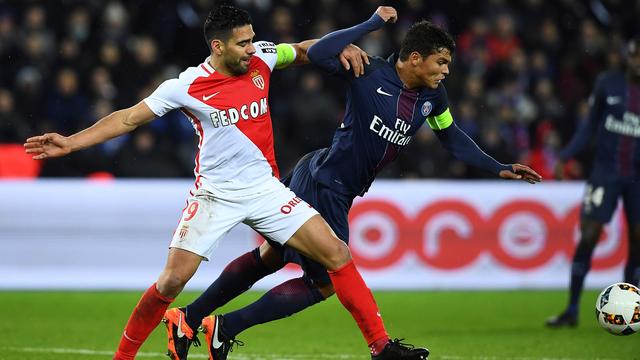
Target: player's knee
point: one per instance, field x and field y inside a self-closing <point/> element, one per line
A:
<point x="590" y="233"/>
<point x="170" y="284"/>
<point x="338" y="256"/>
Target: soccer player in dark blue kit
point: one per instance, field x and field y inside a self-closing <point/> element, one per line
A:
<point x="385" y="107"/>
<point x="614" y="117"/>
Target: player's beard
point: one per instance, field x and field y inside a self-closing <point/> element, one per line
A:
<point x="238" y="66"/>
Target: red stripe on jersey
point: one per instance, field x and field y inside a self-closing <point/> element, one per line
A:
<point x="238" y="94"/>
<point x="198" y="126"/>
<point x="205" y="69"/>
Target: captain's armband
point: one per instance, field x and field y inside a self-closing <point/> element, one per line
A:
<point x="442" y="121"/>
<point x="286" y="55"/>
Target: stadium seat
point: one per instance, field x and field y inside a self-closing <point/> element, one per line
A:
<point x="15" y="163"/>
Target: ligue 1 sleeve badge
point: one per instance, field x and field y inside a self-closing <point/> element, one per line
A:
<point x="426" y="108"/>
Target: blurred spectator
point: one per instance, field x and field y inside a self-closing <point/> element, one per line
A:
<point x="67" y="107"/>
<point x="13" y="129"/>
<point x="521" y="69"/>
<point x="143" y="156"/>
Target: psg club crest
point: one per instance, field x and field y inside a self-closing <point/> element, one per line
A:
<point x="426" y="108"/>
<point x="258" y="80"/>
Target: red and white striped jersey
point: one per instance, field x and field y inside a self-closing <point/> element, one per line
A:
<point x="231" y="117"/>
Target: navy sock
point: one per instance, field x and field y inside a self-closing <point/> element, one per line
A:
<point x="283" y="300"/>
<point x="235" y="279"/>
<point x="579" y="268"/>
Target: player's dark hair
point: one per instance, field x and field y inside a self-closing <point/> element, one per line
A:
<point x="221" y="22"/>
<point x="425" y="38"/>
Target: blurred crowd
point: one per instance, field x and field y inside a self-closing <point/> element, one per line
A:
<point x="519" y="83"/>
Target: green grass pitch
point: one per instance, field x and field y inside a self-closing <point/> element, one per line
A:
<point x="454" y="325"/>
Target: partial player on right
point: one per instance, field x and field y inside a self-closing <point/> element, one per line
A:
<point x="385" y="107"/>
<point x="614" y="117"/>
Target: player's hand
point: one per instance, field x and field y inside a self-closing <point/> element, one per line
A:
<point x="387" y="13"/>
<point x="47" y="145"/>
<point x="521" y="172"/>
<point x="352" y="57"/>
<point x="558" y="170"/>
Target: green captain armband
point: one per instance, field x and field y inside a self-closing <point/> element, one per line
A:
<point x="286" y="55"/>
<point x="441" y="121"/>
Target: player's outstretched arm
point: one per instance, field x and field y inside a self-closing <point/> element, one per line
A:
<point x="465" y="149"/>
<point x="351" y="57"/>
<point x="324" y="52"/>
<point x="113" y="125"/>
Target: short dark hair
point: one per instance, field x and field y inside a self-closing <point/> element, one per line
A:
<point x="425" y="38"/>
<point x="221" y="22"/>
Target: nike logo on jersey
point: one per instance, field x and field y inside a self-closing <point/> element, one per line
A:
<point x="612" y="100"/>
<point x="207" y="97"/>
<point x="180" y="332"/>
<point x="382" y="92"/>
<point x="215" y="343"/>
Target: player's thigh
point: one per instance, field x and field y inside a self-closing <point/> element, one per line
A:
<point x="277" y="213"/>
<point x="205" y="221"/>
<point x="317" y="241"/>
<point x="600" y="199"/>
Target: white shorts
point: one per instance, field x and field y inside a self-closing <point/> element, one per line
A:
<point x="274" y="211"/>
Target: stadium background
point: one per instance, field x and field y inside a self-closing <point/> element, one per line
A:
<point x="519" y="86"/>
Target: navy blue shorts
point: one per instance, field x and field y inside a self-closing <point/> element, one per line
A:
<point x="333" y="207"/>
<point x="601" y="198"/>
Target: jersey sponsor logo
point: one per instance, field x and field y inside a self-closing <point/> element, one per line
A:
<point x="288" y="207"/>
<point x="266" y="44"/>
<point x="628" y="126"/>
<point x="613" y="100"/>
<point x="207" y="97"/>
<point x="382" y="92"/>
<point x="396" y="136"/>
<point x="231" y="116"/>
<point x="426" y="108"/>
<point x="257" y="79"/>
<point x="270" y="50"/>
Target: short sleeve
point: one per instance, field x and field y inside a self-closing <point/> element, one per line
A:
<point x="165" y="98"/>
<point x="267" y="52"/>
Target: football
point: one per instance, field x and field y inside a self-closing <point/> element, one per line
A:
<point x="618" y="309"/>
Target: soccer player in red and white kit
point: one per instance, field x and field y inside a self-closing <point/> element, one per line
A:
<point x="225" y="98"/>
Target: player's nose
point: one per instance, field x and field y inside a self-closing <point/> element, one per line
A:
<point x="251" y="49"/>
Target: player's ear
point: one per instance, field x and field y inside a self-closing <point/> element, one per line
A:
<point x="415" y="58"/>
<point x="217" y="47"/>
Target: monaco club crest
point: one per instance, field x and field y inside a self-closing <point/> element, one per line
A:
<point x="258" y="80"/>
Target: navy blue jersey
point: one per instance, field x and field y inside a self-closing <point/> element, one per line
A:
<point x="380" y="118"/>
<point x="614" y="118"/>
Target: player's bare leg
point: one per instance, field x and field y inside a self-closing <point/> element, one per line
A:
<point x="581" y="264"/>
<point x="180" y="267"/>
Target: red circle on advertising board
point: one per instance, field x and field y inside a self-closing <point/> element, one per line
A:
<point x="456" y="243"/>
<point x="526" y="236"/>
<point x="398" y="246"/>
